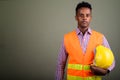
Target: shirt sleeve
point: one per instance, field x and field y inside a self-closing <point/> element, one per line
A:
<point x="62" y="58"/>
<point x="106" y="44"/>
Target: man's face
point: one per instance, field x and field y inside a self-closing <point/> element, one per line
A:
<point x="83" y="17"/>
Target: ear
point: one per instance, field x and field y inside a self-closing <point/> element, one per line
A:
<point x="76" y="18"/>
<point x="91" y="18"/>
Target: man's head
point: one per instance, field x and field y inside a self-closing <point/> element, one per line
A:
<point x="83" y="14"/>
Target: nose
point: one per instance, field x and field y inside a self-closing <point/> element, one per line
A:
<point x="84" y="17"/>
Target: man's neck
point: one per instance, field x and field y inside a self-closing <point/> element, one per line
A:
<point x="83" y="30"/>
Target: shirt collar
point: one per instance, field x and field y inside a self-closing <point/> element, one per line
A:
<point x="89" y="31"/>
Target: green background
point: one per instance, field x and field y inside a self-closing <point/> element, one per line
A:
<point x="31" y="32"/>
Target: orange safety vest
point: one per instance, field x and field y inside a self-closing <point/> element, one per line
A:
<point x="78" y="67"/>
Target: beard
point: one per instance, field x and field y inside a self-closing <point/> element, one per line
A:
<point x="83" y="24"/>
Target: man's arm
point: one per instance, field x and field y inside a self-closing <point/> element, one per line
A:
<point x="106" y="44"/>
<point x="100" y="71"/>
<point x="62" y="58"/>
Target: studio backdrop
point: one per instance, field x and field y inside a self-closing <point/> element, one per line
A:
<point x="31" y="33"/>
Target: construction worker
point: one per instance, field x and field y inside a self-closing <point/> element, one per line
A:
<point x="78" y="49"/>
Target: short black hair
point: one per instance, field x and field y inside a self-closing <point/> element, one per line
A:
<point x="83" y="4"/>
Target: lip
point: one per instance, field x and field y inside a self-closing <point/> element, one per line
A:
<point x="84" y="21"/>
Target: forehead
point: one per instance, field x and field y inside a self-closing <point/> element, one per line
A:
<point x="84" y="10"/>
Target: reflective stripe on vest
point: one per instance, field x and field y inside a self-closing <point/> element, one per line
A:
<point x="78" y="67"/>
<point x="78" y="60"/>
<point x="69" y="77"/>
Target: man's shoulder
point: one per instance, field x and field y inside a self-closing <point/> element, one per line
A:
<point x="96" y="32"/>
<point x="70" y="34"/>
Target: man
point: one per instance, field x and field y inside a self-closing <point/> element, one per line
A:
<point x="78" y="48"/>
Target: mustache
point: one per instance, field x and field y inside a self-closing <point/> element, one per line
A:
<point x="84" y="21"/>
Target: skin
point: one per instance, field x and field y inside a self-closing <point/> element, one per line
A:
<point x="98" y="71"/>
<point x="83" y="17"/>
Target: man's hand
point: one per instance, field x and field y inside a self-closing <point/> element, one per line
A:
<point x="98" y="71"/>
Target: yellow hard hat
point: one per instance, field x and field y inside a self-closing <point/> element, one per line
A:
<point x="104" y="57"/>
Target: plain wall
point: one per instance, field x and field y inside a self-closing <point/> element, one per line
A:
<point x="31" y="32"/>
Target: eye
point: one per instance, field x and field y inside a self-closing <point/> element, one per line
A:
<point x="81" y="15"/>
<point x="87" y="15"/>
